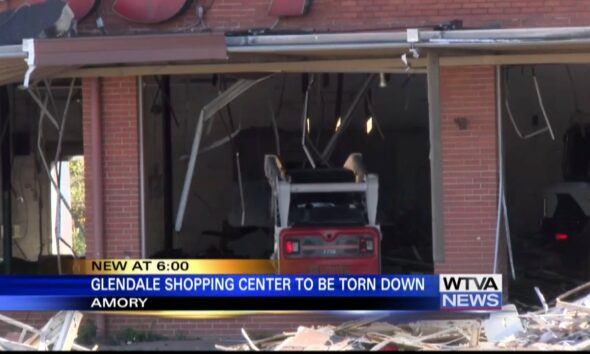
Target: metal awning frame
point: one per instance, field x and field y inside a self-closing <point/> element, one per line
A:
<point x="43" y="100"/>
<point x="320" y="53"/>
<point x="323" y="52"/>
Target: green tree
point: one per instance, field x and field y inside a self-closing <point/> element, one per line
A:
<point x="77" y="192"/>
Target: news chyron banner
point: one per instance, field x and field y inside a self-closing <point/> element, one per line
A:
<point x="240" y="285"/>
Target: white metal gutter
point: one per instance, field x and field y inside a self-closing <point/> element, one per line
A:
<point x="485" y="39"/>
<point x="12" y="52"/>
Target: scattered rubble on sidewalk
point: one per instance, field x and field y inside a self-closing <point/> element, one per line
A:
<point x="564" y="326"/>
<point x="58" y="334"/>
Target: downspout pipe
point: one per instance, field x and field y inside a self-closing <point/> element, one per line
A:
<point x="96" y="180"/>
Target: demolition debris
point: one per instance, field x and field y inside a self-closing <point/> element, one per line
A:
<point x="565" y="326"/>
<point x="58" y="334"/>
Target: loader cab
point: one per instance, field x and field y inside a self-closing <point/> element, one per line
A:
<point x="326" y="209"/>
<point x="325" y="218"/>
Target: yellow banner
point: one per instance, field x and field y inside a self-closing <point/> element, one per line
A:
<point x="173" y="266"/>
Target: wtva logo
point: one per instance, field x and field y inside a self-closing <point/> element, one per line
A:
<point x="470" y="291"/>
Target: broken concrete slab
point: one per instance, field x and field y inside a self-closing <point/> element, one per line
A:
<point x="503" y="324"/>
<point x="306" y="338"/>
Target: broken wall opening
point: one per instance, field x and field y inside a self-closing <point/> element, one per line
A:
<point x="34" y="199"/>
<point x="547" y="223"/>
<point x="394" y="145"/>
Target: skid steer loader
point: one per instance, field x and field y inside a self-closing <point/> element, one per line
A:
<point x="325" y="218"/>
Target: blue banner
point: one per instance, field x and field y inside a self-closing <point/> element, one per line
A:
<point x="223" y="285"/>
<point x="232" y="292"/>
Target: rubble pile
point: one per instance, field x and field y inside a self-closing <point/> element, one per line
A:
<point x="58" y="334"/>
<point x="372" y="335"/>
<point x="564" y="326"/>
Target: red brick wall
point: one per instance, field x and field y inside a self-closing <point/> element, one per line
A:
<point x="338" y="15"/>
<point x="222" y="328"/>
<point x="469" y="168"/>
<point x="120" y="143"/>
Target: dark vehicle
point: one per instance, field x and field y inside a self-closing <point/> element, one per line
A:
<point x="325" y="219"/>
<point x="566" y="209"/>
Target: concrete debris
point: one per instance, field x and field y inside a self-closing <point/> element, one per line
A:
<point x="306" y="338"/>
<point x="58" y="334"/>
<point x="565" y="326"/>
<point x="503" y="324"/>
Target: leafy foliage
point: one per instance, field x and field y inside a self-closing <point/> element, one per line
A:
<point x="77" y="189"/>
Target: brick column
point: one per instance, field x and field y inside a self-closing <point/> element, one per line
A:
<point x="470" y="173"/>
<point x="120" y="144"/>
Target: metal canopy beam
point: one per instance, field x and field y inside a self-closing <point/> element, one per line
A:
<point x="109" y="55"/>
<point x="374" y="65"/>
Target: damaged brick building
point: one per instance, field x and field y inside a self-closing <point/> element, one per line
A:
<point x="140" y="72"/>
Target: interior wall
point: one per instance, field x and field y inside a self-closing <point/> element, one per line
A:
<point x="25" y="209"/>
<point x="534" y="164"/>
<point x="400" y="157"/>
